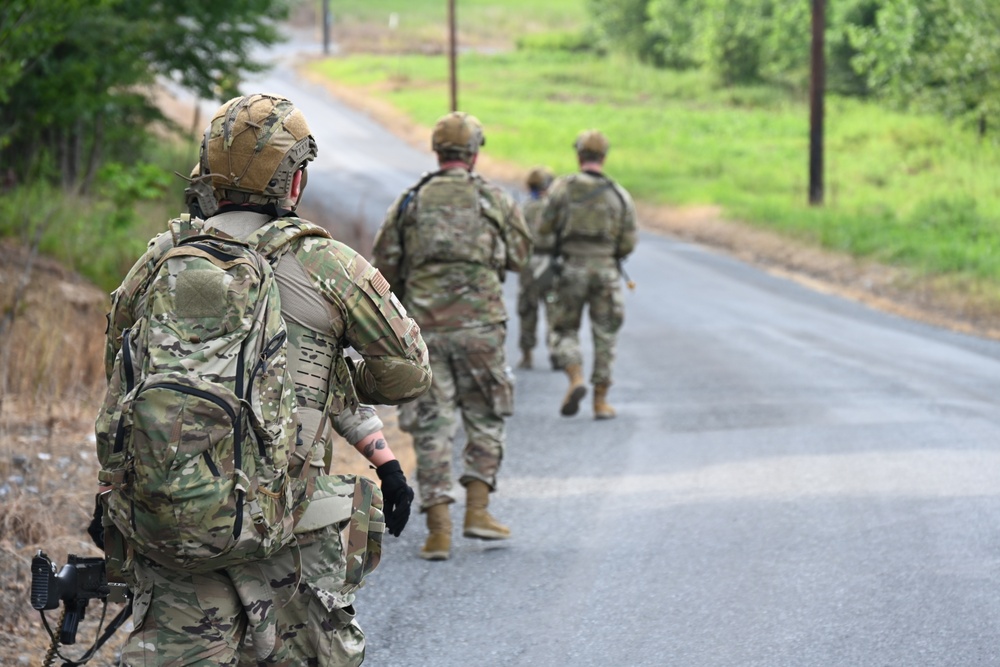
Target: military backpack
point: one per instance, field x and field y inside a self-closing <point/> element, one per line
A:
<point x="199" y="416"/>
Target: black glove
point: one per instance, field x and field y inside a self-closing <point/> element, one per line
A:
<point x="96" y="527"/>
<point x="397" y="496"/>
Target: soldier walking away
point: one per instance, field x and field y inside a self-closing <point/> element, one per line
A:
<point x="293" y="606"/>
<point x="532" y="291"/>
<point x="445" y="246"/>
<point x="594" y="224"/>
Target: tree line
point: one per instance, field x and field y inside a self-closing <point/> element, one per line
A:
<point x="941" y="56"/>
<point x="75" y="74"/>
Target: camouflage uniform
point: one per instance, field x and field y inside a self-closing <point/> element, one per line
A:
<point x="530" y="295"/>
<point x="595" y="223"/>
<point x="445" y="246"/>
<point x="291" y="609"/>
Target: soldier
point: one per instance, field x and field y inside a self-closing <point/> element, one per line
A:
<point x="531" y="291"/>
<point x="594" y="224"/>
<point x="292" y="608"/>
<point x="445" y="246"/>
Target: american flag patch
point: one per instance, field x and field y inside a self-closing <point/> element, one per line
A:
<point x="380" y="284"/>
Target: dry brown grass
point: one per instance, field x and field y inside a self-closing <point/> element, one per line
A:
<point x="51" y="377"/>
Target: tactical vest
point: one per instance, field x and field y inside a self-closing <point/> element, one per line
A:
<point x="594" y="211"/>
<point x="452" y="225"/>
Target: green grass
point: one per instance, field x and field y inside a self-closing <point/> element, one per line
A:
<point x="477" y="21"/>
<point x="510" y="17"/>
<point x="904" y="189"/>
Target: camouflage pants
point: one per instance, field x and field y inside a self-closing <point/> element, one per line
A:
<point x="250" y="615"/>
<point x="470" y="377"/>
<point x="529" y="298"/>
<point x="592" y="282"/>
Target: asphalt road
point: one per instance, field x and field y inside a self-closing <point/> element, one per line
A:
<point x="793" y="479"/>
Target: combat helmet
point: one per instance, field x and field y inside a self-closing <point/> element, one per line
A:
<point x="457" y="134"/>
<point x="253" y="146"/>
<point x="591" y="145"/>
<point x="539" y="179"/>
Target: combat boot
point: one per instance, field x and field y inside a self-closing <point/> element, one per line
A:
<point x="601" y="408"/>
<point x="438" y="544"/>
<point x="577" y="390"/>
<point x="478" y="522"/>
<point x="525" y="358"/>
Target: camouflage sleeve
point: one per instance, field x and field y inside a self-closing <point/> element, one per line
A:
<point x="387" y="251"/>
<point x="394" y="366"/>
<point x="627" y="238"/>
<point x="356" y="426"/>
<point x="518" y="236"/>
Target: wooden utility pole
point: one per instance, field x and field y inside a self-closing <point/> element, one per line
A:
<point x="816" y="91"/>
<point x="452" y="79"/>
<point x="326" y="27"/>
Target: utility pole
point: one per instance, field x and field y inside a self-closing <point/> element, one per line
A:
<point x="326" y="27"/>
<point x="816" y="91"/>
<point x="451" y="56"/>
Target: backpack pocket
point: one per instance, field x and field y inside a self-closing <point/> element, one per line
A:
<point x="185" y="496"/>
<point x="353" y="502"/>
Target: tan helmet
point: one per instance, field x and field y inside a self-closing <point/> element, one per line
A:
<point x="253" y="146"/>
<point x="458" y="132"/>
<point x="591" y="143"/>
<point x="539" y="179"/>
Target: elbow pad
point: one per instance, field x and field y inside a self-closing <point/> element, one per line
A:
<point x="390" y="380"/>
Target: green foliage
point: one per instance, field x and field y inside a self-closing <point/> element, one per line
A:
<point x="938" y="55"/>
<point x="671" y="28"/>
<point x="731" y="38"/>
<point x="73" y="72"/>
<point x="622" y="25"/>
<point x="563" y="40"/>
<point x="123" y="187"/>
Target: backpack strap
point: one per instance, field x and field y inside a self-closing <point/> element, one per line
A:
<point x="273" y="239"/>
<point x="411" y="194"/>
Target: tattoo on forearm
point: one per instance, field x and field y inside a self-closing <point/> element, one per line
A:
<point x="374" y="445"/>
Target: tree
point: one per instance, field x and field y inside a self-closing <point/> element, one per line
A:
<point x="934" y="55"/>
<point x="76" y="73"/>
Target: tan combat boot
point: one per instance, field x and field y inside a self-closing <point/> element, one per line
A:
<point x="577" y="390"/>
<point x="438" y="544"/>
<point x="525" y="358"/>
<point x="478" y="522"/>
<point x="601" y="408"/>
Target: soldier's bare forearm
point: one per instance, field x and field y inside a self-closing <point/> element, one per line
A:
<point x="375" y="448"/>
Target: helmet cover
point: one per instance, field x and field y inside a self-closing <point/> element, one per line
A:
<point x="458" y="132"/>
<point x="253" y="146"/>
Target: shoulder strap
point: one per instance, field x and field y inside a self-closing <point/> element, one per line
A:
<point x="276" y="236"/>
<point x="404" y="265"/>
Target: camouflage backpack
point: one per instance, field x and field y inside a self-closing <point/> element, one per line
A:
<point x="199" y="415"/>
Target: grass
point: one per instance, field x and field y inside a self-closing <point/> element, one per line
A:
<point x="903" y="189"/>
<point x="479" y="20"/>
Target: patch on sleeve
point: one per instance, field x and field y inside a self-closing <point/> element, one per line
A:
<point x="380" y="284"/>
